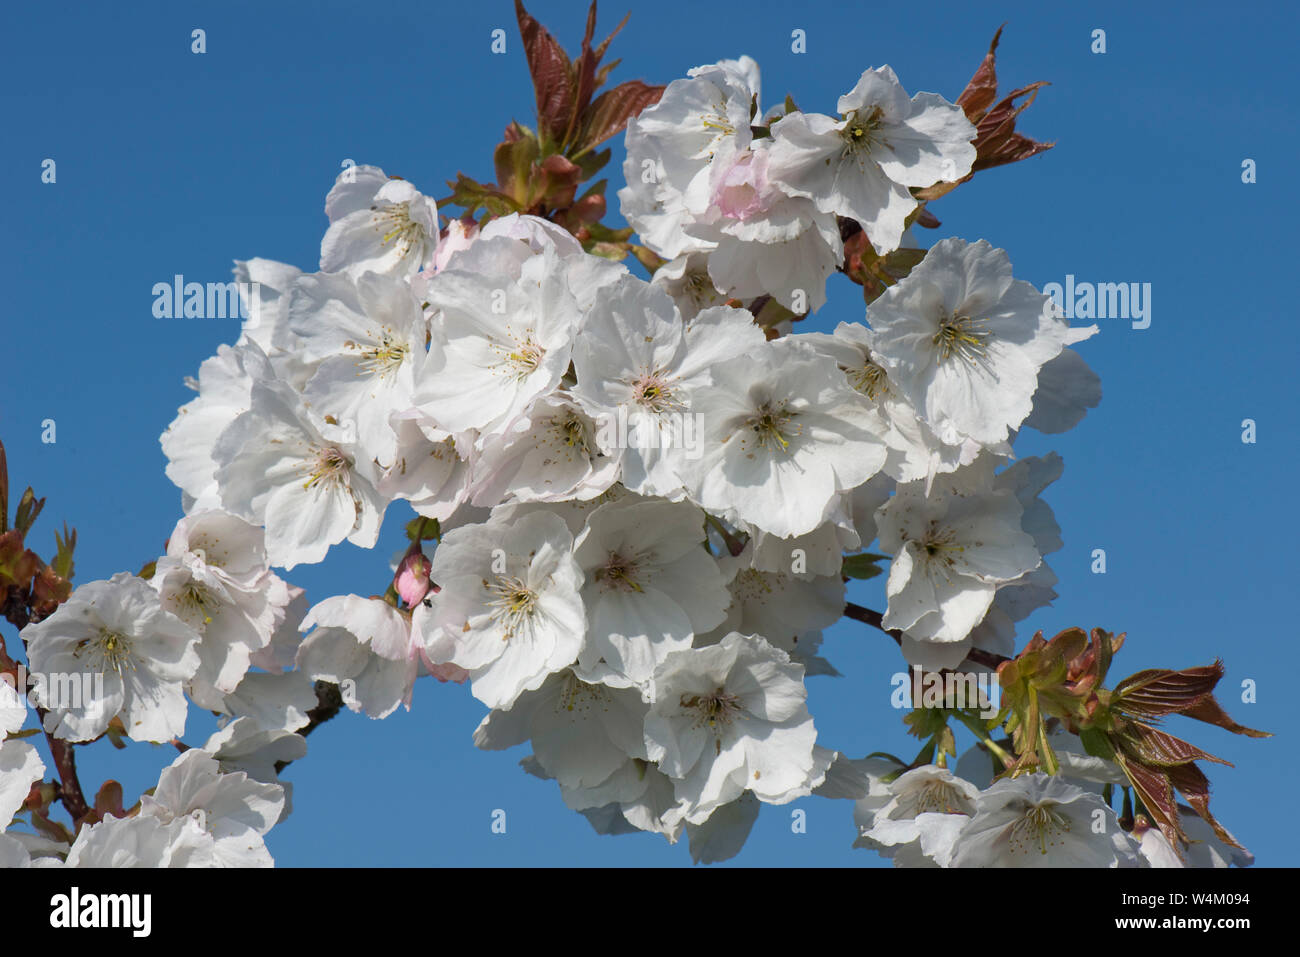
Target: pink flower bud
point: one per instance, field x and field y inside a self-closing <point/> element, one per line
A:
<point x="412" y="578"/>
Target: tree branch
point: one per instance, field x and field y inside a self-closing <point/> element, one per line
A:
<point x="869" y="616"/>
<point x="329" y="702"/>
<point x="873" y="618"/>
<point x="65" y="761"/>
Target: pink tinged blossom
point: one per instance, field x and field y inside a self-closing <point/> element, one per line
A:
<point x="449" y="672"/>
<point x="457" y="236"/>
<point x="742" y="191"/>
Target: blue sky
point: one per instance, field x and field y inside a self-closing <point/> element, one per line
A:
<point x="170" y="162"/>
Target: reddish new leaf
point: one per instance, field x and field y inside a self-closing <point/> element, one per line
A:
<point x="51" y="829"/>
<point x="588" y="209"/>
<point x="1154" y="747"/>
<point x="48" y="592"/>
<point x="17" y="562"/>
<point x="555" y="182"/>
<point x="588" y="79"/>
<point x="1160" y="691"/>
<point x="1106" y="645"/>
<point x="1195" y="786"/>
<point x="1157" y="794"/>
<point x="1065" y="647"/>
<point x="27" y="510"/>
<point x="982" y="89"/>
<point x="609" y="114"/>
<point x="473" y="195"/>
<point x="1209" y="711"/>
<point x="998" y="143"/>
<point x="585" y="68"/>
<point x="552" y="72"/>
<point x="857" y="252"/>
<point x="603" y="73"/>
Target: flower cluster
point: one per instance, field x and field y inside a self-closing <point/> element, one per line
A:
<point x="211" y="808"/>
<point x="596" y="447"/>
<point x="647" y="495"/>
<point x="929" y="816"/>
<point x="744" y="215"/>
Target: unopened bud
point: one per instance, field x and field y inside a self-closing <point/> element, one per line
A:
<point x="412" y="578"/>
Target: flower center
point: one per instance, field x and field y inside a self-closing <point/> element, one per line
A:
<point x="196" y="605"/>
<point x="440" y="450"/>
<point x="715" y="710"/>
<point x="580" y="696"/>
<point x="617" y="574"/>
<point x="699" y="287"/>
<point x="771" y="425"/>
<point x="751" y="583"/>
<point x="383" y="357"/>
<point x="869" y="379"/>
<point x="514" y="605"/>
<point x="1042" y="825"/>
<point x="718" y="123"/>
<point x="651" y="391"/>
<point x="933" y="797"/>
<point x="108" y="650"/>
<point x="860" y="132"/>
<point x="940" y="546"/>
<point x="209" y="551"/>
<point x="395" y="222"/>
<point x="328" y="466"/>
<point x="525" y="356"/>
<point x="569" y="430"/>
<point x="963" y="337"/>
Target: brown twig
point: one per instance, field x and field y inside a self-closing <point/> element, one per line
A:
<point x="74" y="801"/>
<point x="869" y="616"/>
<point x="329" y="702"/>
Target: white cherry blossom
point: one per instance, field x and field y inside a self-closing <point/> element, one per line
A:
<point x="379" y="224"/>
<point x="214" y="577"/>
<point x="650" y="586"/>
<point x="369" y="648"/>
<point x="1038" y="820"/>
<point x="581" y="733"/>
<point x="498" y="342"/>
<point x="20" y="765"/>
<point x="233" y="811"/>
<point x="783" y="435"/>
<point x="301" y="477"/>
<point x="639" y="368"/>
<point x="509" y="611"/>
<point x="366" y="339"/>
<point x="951" y="550"/>
<point x="964" y="341"/>
<point x="862" y="164"/>
<point x="117" y="634"/>
<point x="731" y="718"/>
<point x="917" y="818"/>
